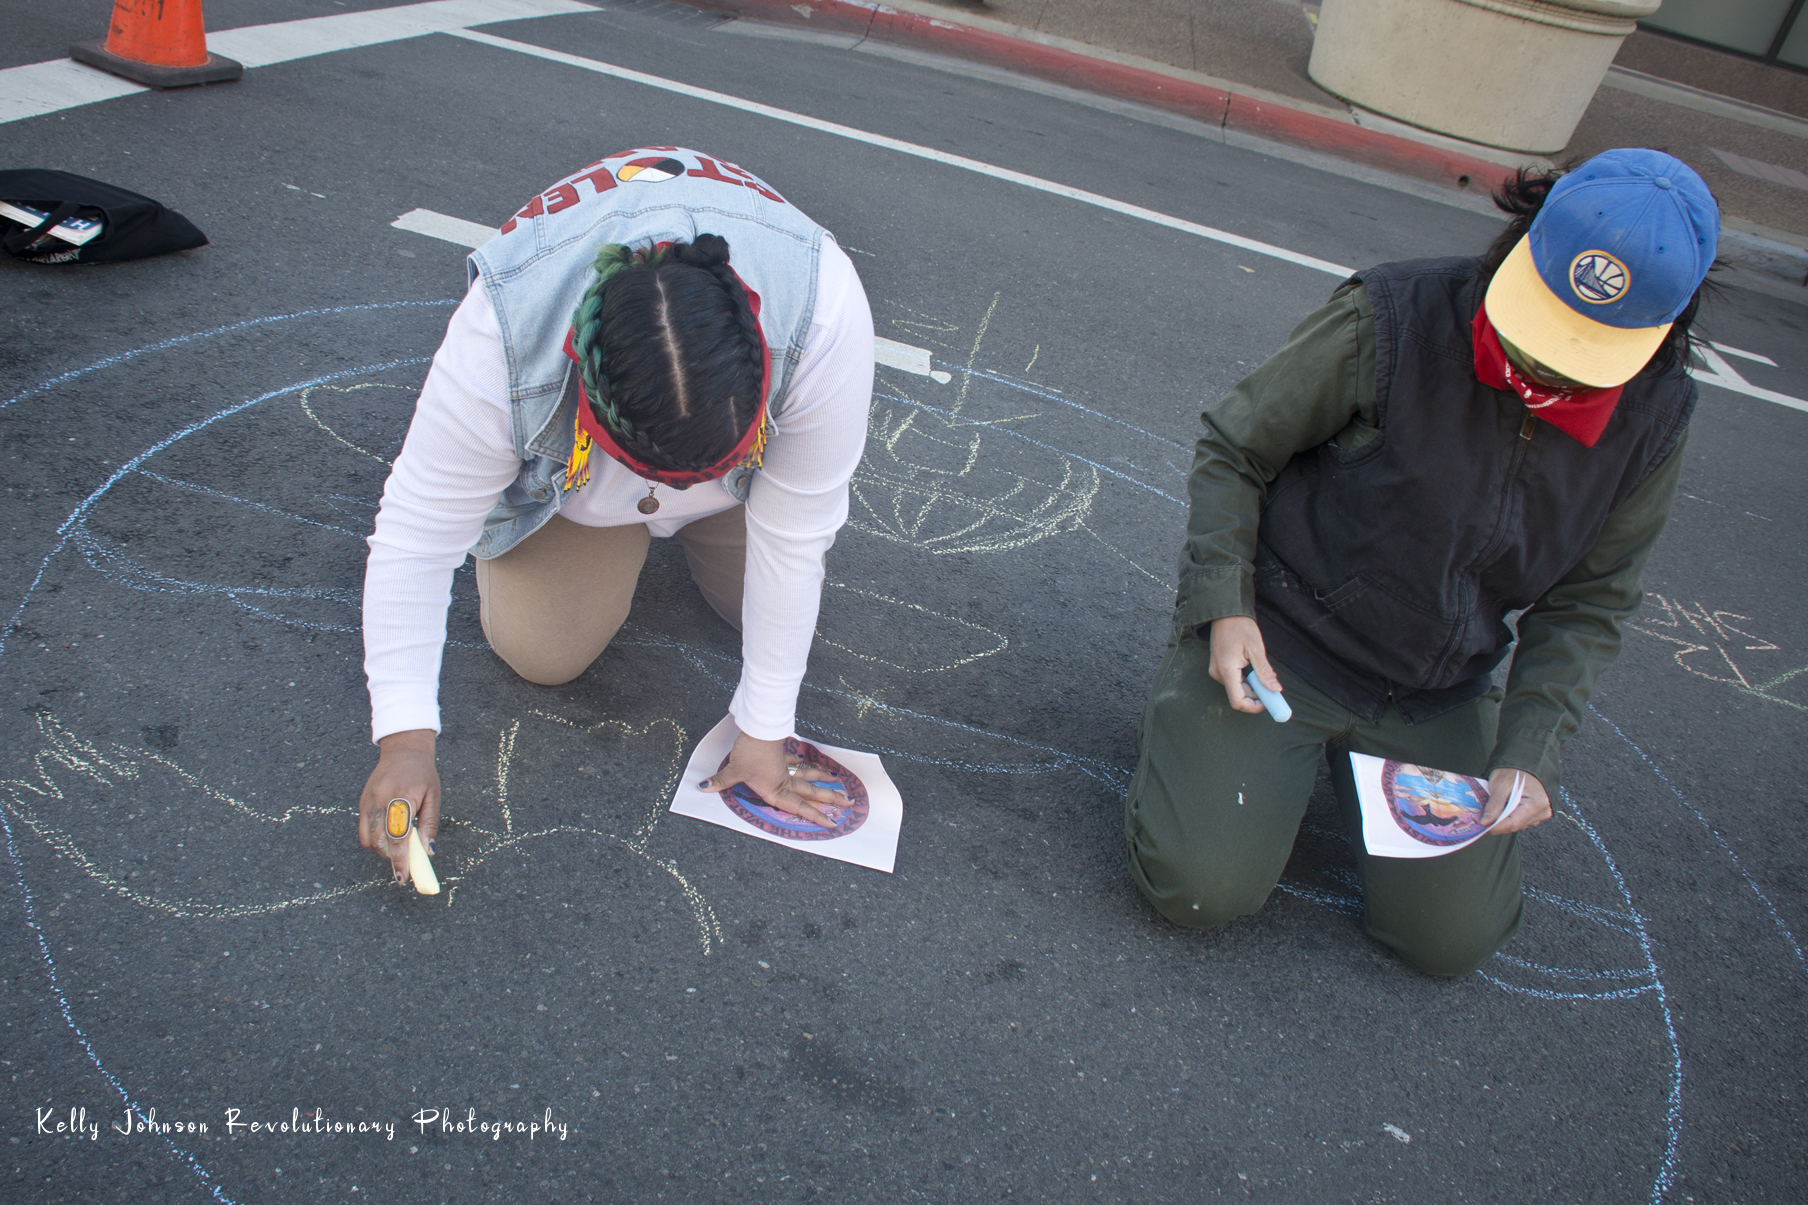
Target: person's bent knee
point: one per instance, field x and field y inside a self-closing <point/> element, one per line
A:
<point x="1448" y="955"/>
<point x="536" y="666"/>
<point x="1205" y="912"/>
<point x="1448" y="963"/>
<point x="1196" y="897"/>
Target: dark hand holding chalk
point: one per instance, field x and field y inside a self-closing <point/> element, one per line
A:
<point x="405" y="770"/>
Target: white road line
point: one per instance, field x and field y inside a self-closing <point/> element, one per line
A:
<point x="893" y="354"/>
<point x="1727" y="377"/>
<point x="262" y="45"/>
<point x="39" y="88"/>
<point x="902" y="355"/>
<point x="1743" y="355"/>
<point x="906" y="148"/>
<point x="916" y="360"/>
<point x="443" y="226"/>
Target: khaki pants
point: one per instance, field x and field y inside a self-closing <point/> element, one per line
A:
<point x="551" y="604"/>
<point x="1219" y="794"/>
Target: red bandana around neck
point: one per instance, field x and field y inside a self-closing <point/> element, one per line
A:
<point x="1580" y="413"/>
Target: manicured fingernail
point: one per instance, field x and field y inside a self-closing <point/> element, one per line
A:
<point x="431" y="848"/>
<point x="704" y="785"/>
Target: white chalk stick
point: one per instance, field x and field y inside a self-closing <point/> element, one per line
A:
<point x="420" y="866"/>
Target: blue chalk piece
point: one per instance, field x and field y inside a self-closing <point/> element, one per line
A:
<point x="1271" y="699"/>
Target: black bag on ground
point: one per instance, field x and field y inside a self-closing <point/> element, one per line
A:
<point x="133" y="227"/>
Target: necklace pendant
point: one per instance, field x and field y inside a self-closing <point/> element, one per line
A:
<point x="648" y="504"/>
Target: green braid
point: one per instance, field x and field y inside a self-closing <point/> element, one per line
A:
<point x="612" y="259"/>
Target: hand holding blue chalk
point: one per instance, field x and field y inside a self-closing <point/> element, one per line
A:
<point x="1271" y="699"/>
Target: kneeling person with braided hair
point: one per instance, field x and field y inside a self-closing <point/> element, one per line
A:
<point x="659" y="345"/>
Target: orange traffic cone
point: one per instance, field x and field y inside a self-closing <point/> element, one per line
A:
<point x="158" y="43"/>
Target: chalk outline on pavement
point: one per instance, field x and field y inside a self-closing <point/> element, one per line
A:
<point x="72" y="527"/>
<point x="1720" y="368"/>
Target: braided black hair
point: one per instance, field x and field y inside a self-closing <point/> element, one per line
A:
<point x="1521" y="196"/>
<point x="671" y="352"/>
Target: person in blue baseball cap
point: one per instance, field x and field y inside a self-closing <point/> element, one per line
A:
<point x="1445" y="443"/>
<point x="1613" y="257"/>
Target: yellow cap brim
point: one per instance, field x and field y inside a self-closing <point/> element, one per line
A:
<point x="1535" y="320"/>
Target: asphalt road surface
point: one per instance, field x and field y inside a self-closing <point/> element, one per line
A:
<point x="193" y="447"/>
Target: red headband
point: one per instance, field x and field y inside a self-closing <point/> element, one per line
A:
<point x="588" y="424"/>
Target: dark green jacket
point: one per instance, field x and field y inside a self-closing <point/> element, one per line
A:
<point x="1321" y="387"/>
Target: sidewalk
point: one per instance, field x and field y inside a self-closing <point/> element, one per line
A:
<point x="1241" y="64"/>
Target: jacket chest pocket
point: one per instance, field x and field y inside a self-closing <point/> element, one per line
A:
<point x="1337" y="597"/>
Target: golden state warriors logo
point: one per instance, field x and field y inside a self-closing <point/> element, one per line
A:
<point x="650" y="170"/>
<point x="1598" y="278"/>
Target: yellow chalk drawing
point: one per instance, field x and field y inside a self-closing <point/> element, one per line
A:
<point x="709" y="929"/>
<point x="922" y="327"/>
<point x="505" y="754"/>
<point x="922" y="483"/>
<point x="864" y="701"/>
<point x="307" y="407"/>
<point x="69" y="768"/>
<point x="985" y="324"/>
<point x="913" y="638"/>
<point x="905" y="503"/>
<point x="1696" y="630"/>
<point x="958" y="417"/>
<point x="68" y="764"/>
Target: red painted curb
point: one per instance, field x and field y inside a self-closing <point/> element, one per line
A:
<point x="1202" y="102"/>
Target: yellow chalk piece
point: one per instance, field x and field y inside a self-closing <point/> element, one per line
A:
<point x="420" y="866"/>
<point x="400" y="813"/>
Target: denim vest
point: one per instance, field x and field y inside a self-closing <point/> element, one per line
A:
<point x="537" y="268"/>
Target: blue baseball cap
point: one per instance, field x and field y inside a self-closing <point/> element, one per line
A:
<point x="1618" y="249"/>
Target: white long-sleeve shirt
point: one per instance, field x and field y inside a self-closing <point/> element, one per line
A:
<point x="459" y="456"/>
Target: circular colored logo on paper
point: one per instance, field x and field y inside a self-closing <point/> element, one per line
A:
<point x="1598" y="278"/>
<point x="847" y="816"/>
<point x="1433" y="806"/>
<point x="650" y="170"/>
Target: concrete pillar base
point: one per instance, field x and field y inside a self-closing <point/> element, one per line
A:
<point x="1515" y="74"/>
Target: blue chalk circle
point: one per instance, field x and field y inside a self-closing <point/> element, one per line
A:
<point x="1271" y="699"/>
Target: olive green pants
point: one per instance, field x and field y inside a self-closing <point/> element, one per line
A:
<point x="1219" y="794"/>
